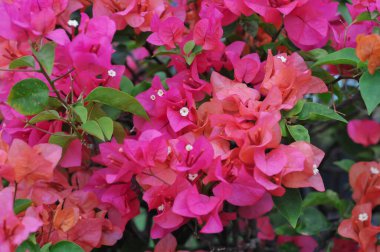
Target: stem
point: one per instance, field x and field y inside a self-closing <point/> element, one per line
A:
<point x="278" y="33"/>
<point x="51" y="83"/>
<point x="64" y="75"/>
<point x="14" y="195"/>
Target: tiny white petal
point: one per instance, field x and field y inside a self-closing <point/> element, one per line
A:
<point x="72" y="23"/>
<point x="282" y="58"/>
<point x="374" y="170"/>
<point x="160" y="92"/>
<point x="184" y="111"/>
<point x="169" y="150"/>
<point x="315" y="169"/>
<point x="363" y="217"/>
<point x="189" y="147"/>
<point x="192" y="177"/>
<point x="161" y="207"/>
<point x="111" y="73"/>
<point x="153" y="97"/>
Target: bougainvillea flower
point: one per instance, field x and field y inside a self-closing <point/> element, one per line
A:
<point x="14" y="230"/>
<point x="271" y="10"/>
<point x="364" y="132"/>
<point x="308" y="26"/>
<point x="304" y="243"/>
<point x="167" y="32"/>
<point x="368" y="48"/>
<point x="33" y="163"/>
<point x="292" y="77"/>
<point x="364" y="181"/>
<point x="359" y="227"/>
<point x="207" y="33"/>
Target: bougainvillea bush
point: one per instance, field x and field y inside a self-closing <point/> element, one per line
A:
<point x="191" y="125"/>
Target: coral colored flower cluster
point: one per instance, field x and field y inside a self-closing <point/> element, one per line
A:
<point x="214" y="137"/>
<point x="364" y="180"/>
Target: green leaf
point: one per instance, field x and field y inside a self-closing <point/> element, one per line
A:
<point x="344" y="164"/>
<point x="62" y="139"/>
<point x="29" y="96"/>
<point x="296" y="109"/>
<point x="46" y="56"/>
<point x="284" y="132"/>
<point x="46" y="247"/>
<point x="370" y="90"/>
<point x="141" y="87"/>
<point x="106" y="124"/>
<point x="45" y="116"/>
<point x="346" y="56"/>
<point x="189" y="46"/>
<point x="126" y="85"/>
<point x="93" y="128"/>
<point x="28" y="246"/>
<point x="316" y="111"/>
<point x="65" y="246"/>
<point x="313" y="55"/>
<point x="25" y="61"/>
<point x="343" y="10"/>
<point x="312" y="222"/>
<point x="289" y="205"/>
<point x="82" y="113"/>
<point x="299" y="133"/>
<point x="117" y="99"/>
<point x="119" y="132"/>
<point x="21" y="205"/>
<point x="366" y="16"/>
<point x="190" y="58"/>
<point x="329" y="198"/>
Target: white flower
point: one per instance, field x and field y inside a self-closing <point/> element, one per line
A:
<point x="111" y="73"/>
<point x="72" y="23"/>
<point x="192" y="177"/>
<point x="363" y="217"/>
<point x="169" y="150"/>
<point x="189" y="147"/>
<point x="282" y="58"/>
<point x="160" y="92"/>
<point x="161" y="207"/>
<point x="315" y="169"/>
<point x="374" y="170"/>
<point x="184" y="111"/>
<point x="153" y="97"/>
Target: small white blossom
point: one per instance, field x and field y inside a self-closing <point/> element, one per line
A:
<point x="153" y="97"/>
<point x="169" y="150"/>
<point x="160" y="92"/>
<point x="161" y="207"/>
<point x="192" y="177"/>
<point x="374" y="170"/>
<point x="315" y="169"/>
<point x="363" y="217"/>
<point x="111" y="73"/>
<point x="184" y="111"/>
<point x="72" y="23"/>
<point x="189" y="147"/>
<point x="282" y="58"/>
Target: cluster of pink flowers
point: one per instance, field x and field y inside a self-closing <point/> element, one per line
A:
<point x="210" y="140"/>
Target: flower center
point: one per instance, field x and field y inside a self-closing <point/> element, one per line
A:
<point x="374" y="170"/>
<point x="111" y="73"/>
<point x="184" y="111"/>
<point x="363" y="217"/>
